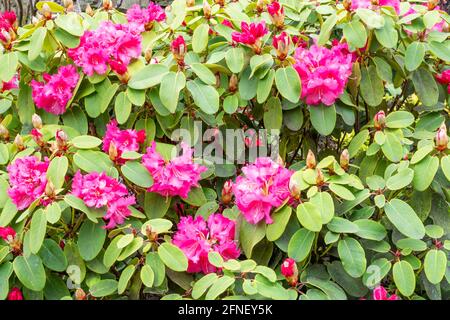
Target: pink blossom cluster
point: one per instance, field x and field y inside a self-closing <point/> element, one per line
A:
<point x="98" y="190"/>
<point x="175" y="177"/>
<point x="119" y="141"/>
<point x="250" y="33"/>
<point x="55" y="92"/>
<point x="111" y="45"/>
<point x="143" y="18"/>
<point x="265" y="185"/>
<point x="196" y="238"/>
<point x="9" y="85"/>
<point x="7" y="233"/>
<point x="380" y="293"/>
<point x="444" y="78"/>
<point x="7" y="25"/>
<point x="367" y="4"/>
<point x="324" y="72"/>
<point x="27" y="177"/>
<point x="15" y="294"/>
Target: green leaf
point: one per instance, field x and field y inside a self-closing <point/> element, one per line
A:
<point x="400" y="180"/>
<point x="352" y="286"/>
<point x="414" y="55"/>
<point x="376" y="272"/>
<point x="435" y="265"/>
<point x="57" y="170"/>
<point x="387" y="35"/>
<point x="91" y="239"/>
<point x="355" y="33"/>
<point x="342" y="225"/>
<point x="424" y="172"/>
<point x="273" y="114"/>
<point x="392" y="147"/>
<point x="309" y="216"/>
<point x="288" y="84"/>
<point x="372" y="88"/>
<point x="112" y="252"/>
<point x="323" y="118"/>
<point x="98" y="102"/>
<point x="326" y="28"/>
<point x="9" y="63"/>
<point x="264" y="86"/>
<point x="357" y="142"/>
<point x="173" y="257"/>
<point x="330" y="289"/>
<point x="404" y="278"/>
<point x="341" y="191"/>
<point x="155" y="205"/>
<point x="235" y="59"/>
<point x="36" y="43"/>
<point x="158" y="268"/>
<point x="30" y="272"/>
<point x="230" y="104"/>
<point x="171" y="85"/>
<point x="37" y="231"/>
<point x="369" y="229"/>
<point x="200" y="38"/>
<point x="196" y="197"/>
<point x="260" y="65"/>
<point x="399" y="119"/>
<point x="300" y="244"/>
<point x="86" y="142"/>
<point x="125" y="277"/>
<point x="52" y="256"/>
<point x="426" y="87"/>
<point x="247" y="86"/>
<point x="404" y="219"/>
<point x="205" y="96"/>
<point x="203" y="72"/>
<point x="137" y="173"/>
<point x="324" y="202"/>
<point x="203" y="284"/>
<point x="149" y="76"/>
<point x="440" y="49"/>
<point x="122" y="108"/>
<point x="250" y="235"/>
<point x="93" y="161"/>
<point x="352" y="256"/>
<point x="371" y="18"/>
<point x="71" y="23"/>
<point x="445" y="166"/>
<point x="104" y="288"/>
<point x="280" y="220"/>
<point x="147" y="276"/>
<point x="219" y="287"/>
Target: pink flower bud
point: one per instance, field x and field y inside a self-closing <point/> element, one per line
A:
<point x="179" y="49"/>
<point x="36" y="121"/>
<point x="380" y="293"/>
<point x="310" y="160"/>
<point x="18" y="142"/>
<point x="80" y="294"/>
<point x="15" y="294"/>
<point x="4" y="133"/>
<point x="107" y="5"/>
<point x="7" y="233"/>
<point x="441" y="138"/>
<point x="61" y="139"/>
<point x="344" y="159"/>
<point x="379" y="120"/>
<point x="276" y="12"/>
<point x="36" y="134"/>
<point x="319" y="177"/>
<point x="282" y="45"/>
<point x="290" y="271"/>
<point x="233" y="83"/>
<point x="206" y="9"/>
<point x="227" y="192"/>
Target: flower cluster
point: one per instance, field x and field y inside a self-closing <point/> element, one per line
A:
<point x="324" y="72"/>
<point x="143" y="18"/>
<point x="27" y="177"/>
<point x="264" y="186"/>
<point x="251" y="34"/>
<point x="177" y="176"/>
<point x="196" y="238"/>
<point x="111" y="45"/>
<point x="55" y="92"/>
<point x="8" y="22"/>
<point x="444" y="78"/>
<point x="367" y="4"/>
<point x="99" y="190"/>
<point x="7" y="233"/>
<point x="116" y="141"/>
<point x="380" y="293"/>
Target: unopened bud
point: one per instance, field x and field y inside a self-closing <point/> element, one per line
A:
<point x="107" y="5"/>
<point x="260" y="6"/>
<point x="50" y="189"/>
<point x="18" y="142"/>
<point x="310" y="160"/>
<point x="151" y="235"/>
<point x="46" y="11"/>
<point x="432" y="4"/>
<point x="89" y="10"/>
<point x="206" y="9"/>
<point x="347" y="4"/>
<point x="80" y="294"/>
<point x="344" y="159"/>
<point x="375" y="2"/>
<point x="233" y="83"/>
<point x="441" y="138"/>
<point x="319" y="177"/>
<point x="379" y="120"/>
<point x="36" y="121"/>
<point x="148" y="55"/>
<point x="61" y="139"/>
<point x="294" y="186"/>
<point x="227" y="192"/>
<point x="68" y="4"/>
<point x="220" y="2"/>
<point x="112" y="151"/>
<point x="290" y="271"/>
<point x="4" y="133"/>
<point x="190" y="3"/>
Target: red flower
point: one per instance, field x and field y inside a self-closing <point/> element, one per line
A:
<point x="15" y="294"/>
<point x="251" y="35"/>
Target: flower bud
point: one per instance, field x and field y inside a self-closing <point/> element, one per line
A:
<point x="15" y="294"/>
<point x="276" y="12"/>
<point x="233" y="83"/>
<point x="319" y="177"/>
<point x="227" y="192"/>
<point x="36" y="134"/>
<point x="294" y="186"/>
<point x="206" y="9"/>
<point x="441" y="138"/>
<point x="50" y="189"/>
<point x="310" y="160"/>
<point x="347" y="4"/>
<point x="46" y="11"/>
<point x="190" y="3"/>
<point x="179" y="49"/>
<point x="290" y="271"/>
<point x="18" y="142"/>
<point x="112" y="152"/>
<point x="260" y="6"/>
<point x="80" y="294"/>
<point x="282" y="45"/>
<point x="375" y="2"/>
<point x="7" y="233"/>
<point x="379" y="120"/>
<point x="107" y="5"/>
<point x="68" y="4"/>
<point x="344" y="160"/>
<point x="4" y="133"/>
<point x="36" y="121"/>
<point x="148" y="55"/>
<point x="61" y="139"/>
<point x="220" y="2"/>
<point x="89" y="10"/>
<point x="432" y="4"/>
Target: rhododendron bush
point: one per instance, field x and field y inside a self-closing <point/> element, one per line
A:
<point x="226" y="149"/>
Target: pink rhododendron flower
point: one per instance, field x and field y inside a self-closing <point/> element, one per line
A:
<point x="27" y="177"/>
<point x="111" y="45"/>
<point x="380" y="293"/>
<point x="7" y="233"/>
<point x="282" y="44"/>
<point x="276" y="11"/>
<point x="123" y="140"/>
<point x="98" y="190"/>
<point x="324" y="73"/>
<point x="143" y="18"/>
<point x="367" y="4"/>
<point x="251" y="34"/>
<point x="227" y="23"/>
<point x="8" y="21"/>
<point x="175" y="177"/>
<point x="9" y="85"/>
<point x="290" y="271"/>
<point x="178" y="49"/>
<point x="265" y="185"/>
<point x="444" y="78"/>
<point x="54" y="93"/>
<point x="15" y="294"/>
<point x="196" y="238"/>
